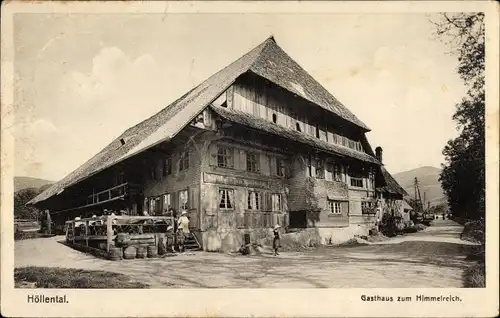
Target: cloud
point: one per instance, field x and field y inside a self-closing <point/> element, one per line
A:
<point x="90" y="110"/>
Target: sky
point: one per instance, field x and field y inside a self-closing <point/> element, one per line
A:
<point x="82" y="79"/>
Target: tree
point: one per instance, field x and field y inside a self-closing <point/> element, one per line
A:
<point x="462" y="177"/>
<point x="21" y="197"/>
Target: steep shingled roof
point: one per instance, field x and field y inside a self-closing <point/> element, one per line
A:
<point x="267" y="60"/>
<point x="278" y="67"/>
<point x="248" y="120"/>
<point x="391" y="185"/>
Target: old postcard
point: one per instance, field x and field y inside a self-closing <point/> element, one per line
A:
<point x="249" y="159"/>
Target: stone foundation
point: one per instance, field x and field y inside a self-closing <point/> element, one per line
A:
<point x="232" y="240"/>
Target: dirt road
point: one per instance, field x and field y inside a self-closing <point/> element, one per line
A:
<point x="432" y="258"/>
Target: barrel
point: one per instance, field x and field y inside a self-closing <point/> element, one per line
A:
<point x="129" y="252"/>
<point x="141" y="251"/>
<point x="152" y="251"/>
<point x="115" y="253"/>
<point x="122" y="239"/>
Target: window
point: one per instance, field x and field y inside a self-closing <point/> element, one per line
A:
<point x="226" y="197"/>
<point x="357" y="182"/>
<point x="334" y="207"/>
<point x="368" y="207"/>
<point x="297" y="126"/>
<point x="253" y="200"/>
<point x="184" y="161"/>
<point x="252" y="162"/>
<point x="335" y="138"/>
<point x="276" y="202"/>
<point x="166" y="202"/>
<point x="224" y="104"/>
<point x="329" y="172"/>
<point x="351" y="144"/>
<point x="317" y="131"/>
<point x="320" y="169"/>
<point x="337" y="174"/>
<point x="224" y="157"/>
<point x="359" y="146"/>
<point x="275" y="118"/>
<point x="145" y="207"/>
<point x="344" y="141"/>
<point x="280" y="167"/>
<point x="309" y="167"/>
<point x="167" y="169"/>
<point x="183" y="200"/>
<point x="152" y="206"/>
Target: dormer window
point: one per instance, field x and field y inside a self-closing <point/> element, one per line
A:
<point x="275" y="118"/>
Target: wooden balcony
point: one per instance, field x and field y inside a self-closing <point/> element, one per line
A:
<point x="118" y="192"/>
<point x="114" y="192"/>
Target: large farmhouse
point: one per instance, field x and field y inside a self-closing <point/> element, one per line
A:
<point x="257" y="144"/>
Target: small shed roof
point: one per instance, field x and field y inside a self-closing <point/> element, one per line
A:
<point x="391" y="185"/>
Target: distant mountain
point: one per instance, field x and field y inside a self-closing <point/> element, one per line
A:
<point x="428" y="178"/>
<point x="28" y="182"/>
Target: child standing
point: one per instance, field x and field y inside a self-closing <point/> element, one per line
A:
<point x="276" y="240"/>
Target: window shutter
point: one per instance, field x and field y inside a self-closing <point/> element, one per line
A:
<point x="284" y="203"/>
<point x="193" y="200"/>
<point x="213" y="155"/>
<point x="268" y="200"/>
<point x="273" y="164"/>
<point x="243" y="160"/>
<point x="236" y="157"/>
<point x="345" y="208"/>
<point x="264" y="163"/>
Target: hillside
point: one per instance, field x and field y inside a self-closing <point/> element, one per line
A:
<point x="428" y="178"/>
<point x="27" y="182"/>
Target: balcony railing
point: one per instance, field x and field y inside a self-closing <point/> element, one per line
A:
<point x="108" y="195"/>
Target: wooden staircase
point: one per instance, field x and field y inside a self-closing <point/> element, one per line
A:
<point x="191" y="243"/>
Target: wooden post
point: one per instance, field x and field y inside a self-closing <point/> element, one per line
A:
<point x="109" y="232"/>
<point x="49" y="221"/>
<point x="87" y="232"/>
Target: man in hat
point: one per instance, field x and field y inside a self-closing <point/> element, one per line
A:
<point x="182" y="229"/>
<point x="276" y="240"/>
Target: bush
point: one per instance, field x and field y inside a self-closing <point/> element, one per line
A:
<point x="474" y="231"/>
<point x="373" y="232"/>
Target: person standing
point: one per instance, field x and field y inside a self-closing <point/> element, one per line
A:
<point x="276" y="239"/>
<point x="183" y="229"/>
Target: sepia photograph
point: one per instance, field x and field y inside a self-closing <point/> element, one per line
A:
<point x="249" y="150"/>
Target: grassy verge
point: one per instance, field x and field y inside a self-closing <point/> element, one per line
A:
<point x="18" y="236"/>
<point x="54" y="277"/>
<point x="475" y="275"/>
